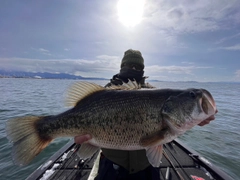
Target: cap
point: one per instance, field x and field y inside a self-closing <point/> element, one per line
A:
<point x="133" y="57"/>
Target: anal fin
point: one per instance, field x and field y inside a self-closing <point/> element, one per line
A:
<point x="87" y="151"/>
<point x="154" y="155"/>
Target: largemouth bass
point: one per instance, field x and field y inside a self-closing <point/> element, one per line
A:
<point x="115" y="119"/>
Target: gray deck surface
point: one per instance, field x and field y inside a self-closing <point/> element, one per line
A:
<point x="176" y="160"/>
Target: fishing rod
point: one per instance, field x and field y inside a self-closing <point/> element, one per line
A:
<point x="66" y="162"/>
<point x="174" y="167"/>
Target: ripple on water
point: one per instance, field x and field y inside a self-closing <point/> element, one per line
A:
<point x="219" y="141"/>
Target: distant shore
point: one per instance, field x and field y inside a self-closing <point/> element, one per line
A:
<point x="90" y="78"/>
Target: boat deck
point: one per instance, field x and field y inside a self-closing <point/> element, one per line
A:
<point x="178" y="162"/>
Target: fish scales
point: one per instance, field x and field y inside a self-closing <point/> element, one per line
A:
<point x="122" y="117"/>
<point x="115" y="119"/>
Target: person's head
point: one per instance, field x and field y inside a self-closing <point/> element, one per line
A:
<point x="133" y="59"/>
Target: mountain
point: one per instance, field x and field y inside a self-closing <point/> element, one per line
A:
<point x="45" y="75"/>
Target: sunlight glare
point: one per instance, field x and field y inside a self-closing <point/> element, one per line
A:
<point x="130" y="12"/>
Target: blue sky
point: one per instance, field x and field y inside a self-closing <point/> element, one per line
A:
<point x="181" y="40"/>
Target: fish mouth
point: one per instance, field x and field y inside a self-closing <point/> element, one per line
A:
<point x="189" y="108"/>
<point x="207" y="103"/>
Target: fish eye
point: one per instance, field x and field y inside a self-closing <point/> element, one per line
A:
<point x="192" y="94"/>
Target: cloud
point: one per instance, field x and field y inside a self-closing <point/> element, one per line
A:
<point x="103" y="65"/>
<point x="232" y="48"/>
<point x="228" y="38"/>
<point x="180" y="73"/>
<point x="192" y="16"/>
<point x="173" y="69"/>
<point x="227" y="48"/>
<point x="187" y="62"/>
<point x="43" y="50"/>
<point x="237" y="73"/>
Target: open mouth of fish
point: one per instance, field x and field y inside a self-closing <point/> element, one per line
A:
<point x="204" y="109"/>
<point x="207" y="103"/>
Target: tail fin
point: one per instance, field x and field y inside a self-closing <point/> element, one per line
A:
<point x="26" y="141"/>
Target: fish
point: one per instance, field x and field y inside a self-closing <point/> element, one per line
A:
<point x="116" y="119"/>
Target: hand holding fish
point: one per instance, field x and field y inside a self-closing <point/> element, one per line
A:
<point x="81" y="139"/>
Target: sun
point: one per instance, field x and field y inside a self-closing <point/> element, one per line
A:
<point x="130" y="12"/>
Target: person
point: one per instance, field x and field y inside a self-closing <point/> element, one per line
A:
<point x="120" y="164"/>
<point x="132" y="67"/>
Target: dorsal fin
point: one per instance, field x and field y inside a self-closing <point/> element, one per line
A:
<point x="130" y="85"/>
<point x="80" y="90"/>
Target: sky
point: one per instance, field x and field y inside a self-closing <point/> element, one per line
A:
<point x="180" y="40"/>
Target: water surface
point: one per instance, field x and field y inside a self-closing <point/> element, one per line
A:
<point x="219" y="141"/>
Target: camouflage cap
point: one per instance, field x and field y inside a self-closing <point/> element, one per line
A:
<point x="133" y="57"/>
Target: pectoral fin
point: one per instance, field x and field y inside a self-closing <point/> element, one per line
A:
<point x="87" y="151"/>
<point x="154" y="155"/>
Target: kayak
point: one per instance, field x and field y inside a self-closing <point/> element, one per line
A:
<point x="178" y="162"/>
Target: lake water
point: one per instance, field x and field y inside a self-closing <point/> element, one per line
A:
<point x="219" y="141"/>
